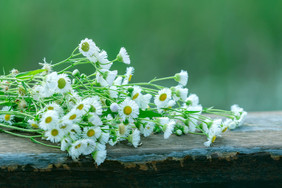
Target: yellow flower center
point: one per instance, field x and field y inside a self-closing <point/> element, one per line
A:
<point x="135" y="96"/>
<point x="85" y="47"/>
<point x="77" y="146"/>
<point x="90" y="133"/>
<point x="127" y="110"/>
<point x="61" y="83"/>
<point x="121" y="129"/>
<point x="225" y="129"/>
<point x="50" y="108"/>
<point x="48" y="119"/>
<point x="80" y="107"/>
<point x="213" y="139"/>
<point x="129" y="78"/>
<point x="148" y="127"/>
<point x="54" y="132"/>
<point x="7" y="117"/>
<point x="63" y="127"/>
<point x="72" y="117"/>
<point x="34" y="125"/>
<point x="163" y="97"/>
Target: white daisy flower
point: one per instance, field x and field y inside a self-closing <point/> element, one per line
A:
<point x="162" y="98"/>
<point x="100" y="156"/>
<point x="87" y="47"/>
<point x="214" y="131"/>
<point x="148" y="129"/>
<point x="102" y="58"/>
<point x="118" y="81"/>
<point x="104" y="138"/>
<point x="168" y="128"/>
<point x="33" y="124"/>
<point x="92" y="132"/>
<point x="82" y="107"/>
<point x="106" y="77"/>
<point x="54" y="106"/>
<point x="134" y="138"/>
<point x="7" y="118"/>
<point x="123" y="56"/>
<point x="90" y="146"/>
<point x="95" y="119"/>
<point x="66" y="143"/>
<point x="75" y="132"/>
<point x="46" y="66"/>
<point x="128" y="110"/>
<point x="54" y="134"/>
<point x="72" y="117"/>
<point x="128" y="75"/>
<point x="192" y="100"/>
<point x="143" y="104"/>
<point x="76" y="149"/>
<point x="49" y="119"/>
<point x="95" y="105"/>
<point x="181" y="77"/>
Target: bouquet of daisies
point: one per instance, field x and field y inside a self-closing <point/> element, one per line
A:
<point x="82" y="113"/>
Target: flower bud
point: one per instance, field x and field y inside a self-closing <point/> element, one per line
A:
<point x="76" y="73"/>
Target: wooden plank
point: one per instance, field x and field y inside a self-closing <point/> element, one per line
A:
<point x="249" y="155"/>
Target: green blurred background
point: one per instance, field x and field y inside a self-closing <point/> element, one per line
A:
<point x="231" y="49"/>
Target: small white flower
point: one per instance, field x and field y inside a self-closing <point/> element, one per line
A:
<point x="100" y="156"/>
<point x="128" y="109"/>
<point x="161" y="100"/>
<point x="46" y="66"/>
<point x="128" y="75"/>
<point x="49" y="119"/>
<point x="143" y="104"/>
<point x="182" y="77"/>
<point x="92" y="132"/>
<point x="180" y="93"/>
<point x="95" y="119"/>
<point x="123" y="56"/>
<point x="75" y="132"/>
<point x="134" y="138"/>
<point x="123" y="130"/>
<point x="87" y="47"/>
<point x="239" y="113"/>
<point x="7" y="118"/>
<point x="14" y="72"/>
<point x="104" y="138"/>
<point x="58" y="83"/>
<point x="82" y="107"/>
<point x="192" y="100"/>
<point x="54" y="134"/>
<point x="168" y="128"/>
<point x="72" y="117"/>
<point x="185" y="129"/>
<point x="102" y="58"/>
<point x="55" y="107"/>
<point x="76" y="149"/>
<point x="89" y="146"/>
<point x="95" y="105"/>
<point x="118" y="81"/>
<point x="33" y="124"/>
<point x="106" y="77"/>
<point x="65" y="143"/>
<point x="113" y="92"/>
<point x="148" y="129"/>
<point x="114" y="107"/>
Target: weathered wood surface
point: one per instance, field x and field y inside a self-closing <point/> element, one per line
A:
<point x="249" y="155"/>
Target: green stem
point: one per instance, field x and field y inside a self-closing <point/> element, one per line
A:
<point x="20" y="129"/>
<point x="37" y="142"/>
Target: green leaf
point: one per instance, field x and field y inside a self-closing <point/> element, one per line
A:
<point x="30" y="73"/>
<point x="149" y="114"/>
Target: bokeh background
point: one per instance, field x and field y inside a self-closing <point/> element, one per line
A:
<point x="231" y="49"/>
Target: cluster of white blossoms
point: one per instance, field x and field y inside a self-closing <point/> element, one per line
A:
<point x="82" y="113"/>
